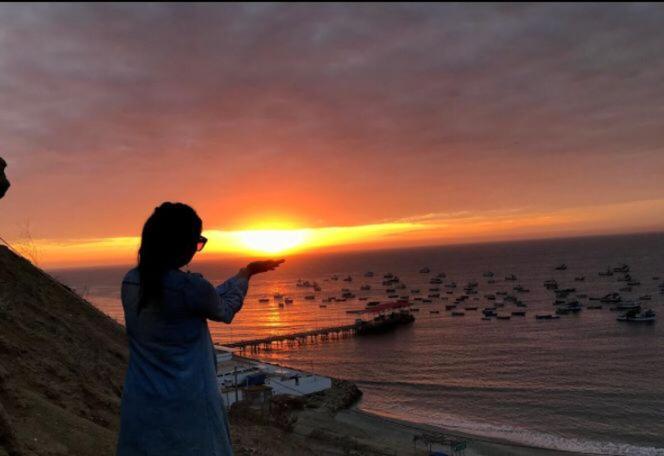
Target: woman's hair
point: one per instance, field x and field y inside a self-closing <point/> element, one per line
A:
<point x="168" y="242"/>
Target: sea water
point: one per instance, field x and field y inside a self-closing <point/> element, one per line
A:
<point x="585" y="382"/>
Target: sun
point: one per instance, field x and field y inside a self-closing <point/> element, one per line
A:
<point x="272" y="241"/>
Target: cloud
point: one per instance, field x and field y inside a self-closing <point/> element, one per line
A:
<point x="451" y="107"/>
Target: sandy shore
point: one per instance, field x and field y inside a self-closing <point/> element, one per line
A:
<point x="359" y="432"/>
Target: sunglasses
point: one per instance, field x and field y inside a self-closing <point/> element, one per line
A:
<point x="202" y="240"/>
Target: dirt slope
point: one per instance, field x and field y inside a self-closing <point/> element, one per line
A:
<point x="62" y="364"/>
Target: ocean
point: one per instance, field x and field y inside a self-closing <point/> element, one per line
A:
<point x="582" y="383"/>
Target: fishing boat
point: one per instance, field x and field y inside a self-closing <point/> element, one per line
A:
<point x="288" y="300"/>
<point x="519" y="313"/>
<point x="546" y="317"/>
<point x="310" y="297"/>
<point x="450" y="306"/>
<point x="622" y="268"/>
<point x="434" y="311"/>
<point x="488" y="274"/>
<point x="510" y="278"/>
<point x="369" y="274"/>
<point x="580" y="278"/>
<point x="503" y="317"/>
<point x="264" y="300"/>
<point x="551" y="284"/>
<point x="434" y="295"/>
<point x="562" y="267"/>
<point x="607" y="273"/>
<point x="520" y="289"/>
<point x="415" y="291"/>
<point x="471" y="308"/>
<point x="486" y="318"/>
<point x="435" y="281"/>
<point x="637" y="316"/>
<point x="365" y="287"/>
<point x="626" y="306"/>
<point x="489" y="312"/>
<point x="611" y="298"/>
<point x="458" y="313"/>
<point x="425" y="270"/>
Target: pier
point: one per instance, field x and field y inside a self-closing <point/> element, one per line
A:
<point x="300" y="338"/>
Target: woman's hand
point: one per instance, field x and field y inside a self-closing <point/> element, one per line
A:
<point x="258" y="267"/>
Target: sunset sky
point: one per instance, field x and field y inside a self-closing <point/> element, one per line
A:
<point x="301" y="127"/>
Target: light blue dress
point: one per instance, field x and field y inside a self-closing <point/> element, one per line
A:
<point x="171" y="404"/>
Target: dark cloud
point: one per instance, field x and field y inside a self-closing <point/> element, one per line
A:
<point x="487" y="105"/>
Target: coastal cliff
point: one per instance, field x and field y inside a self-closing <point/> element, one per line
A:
<point x="62" y="364"/>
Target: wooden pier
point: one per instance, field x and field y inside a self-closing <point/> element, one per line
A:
<point x="295" y="339"/>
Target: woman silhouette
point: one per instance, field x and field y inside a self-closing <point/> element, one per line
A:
<point x="171" y="404"/>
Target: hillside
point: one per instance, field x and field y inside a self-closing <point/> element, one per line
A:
<point x="62" y="364"/>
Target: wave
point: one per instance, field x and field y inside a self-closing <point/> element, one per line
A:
<point x="513" y="435"/>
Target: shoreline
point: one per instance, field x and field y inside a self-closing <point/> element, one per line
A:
<point x="366" y="425"/>
<point x="349" y="425"/>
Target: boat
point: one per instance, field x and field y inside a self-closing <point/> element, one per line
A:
<point x="519" y="313"/>
<point x="626" y="289"/>
<point x="510" y="278"/>
<point x="491" y="281"/>
<point x="415" y="291"/>
<point x="450" y="306"/>
<point x="288" y="300"/>
<point x="363" y="298"/>
<point x="281" y="304"/>
<point x="451" y="285"/>
<point x="441" y="275"/>
<point x="369" y="274"/>
<point x="458" y="313"/>
<point x="607" y="273"/>
<point x="489" y="312"/>
<point x="611" y="298"/>
<point x="347" y="295"/>
<point x="435" y="281"/>
<point x="471" y="308"/>
<point x="594" y="306"/>
<point x="486" y="318"/>
<point x="322" y="306"/>
<point x="434" y="295"/>
<point x="490" y="297"/>
<point x="562" y="267"/>
<point x="622" y="268"/>
<point x="551" y="284"/>
<point x="425" y="271"/>
<point x="579" y="278"/>
<point x="626" y="306"/>
<point x="434" y="289"/>
<point x="310" y="297"/>
<point x="503" y="317"/>
<point x="365" y="287"/>
<point x="638" y="316"/>
<point x="434" y="311"/>
<point x="414" y="309"/>
<point x="488" y="274"/>
<point x="264" y="300"/>
<point x="334" y="278"/>
<point x="277" y="295"/>
<point x="546" y="317"/>
<point x="348" y="279"/>
<point x="520" y="289"/>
